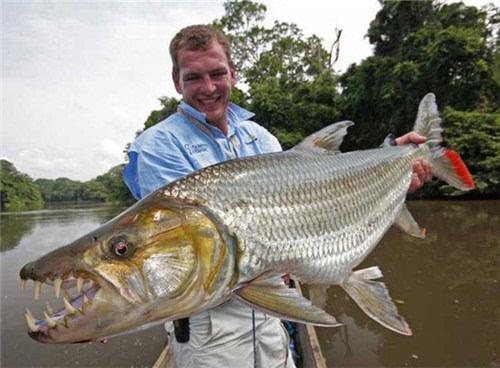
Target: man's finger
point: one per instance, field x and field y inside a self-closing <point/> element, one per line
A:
<point x="415" y="184"/>
<point x="411" y="137"/>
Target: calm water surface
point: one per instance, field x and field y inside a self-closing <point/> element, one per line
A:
<point x="447" y="288"/>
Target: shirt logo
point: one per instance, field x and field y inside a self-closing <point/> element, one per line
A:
<point x="194" y="149"/>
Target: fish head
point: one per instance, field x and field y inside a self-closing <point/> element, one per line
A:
<point x="162" y="259"/>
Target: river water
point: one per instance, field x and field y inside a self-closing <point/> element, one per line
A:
<point x="447" y="288"/>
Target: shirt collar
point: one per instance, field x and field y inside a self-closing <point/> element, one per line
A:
<point x="235" y="115"/>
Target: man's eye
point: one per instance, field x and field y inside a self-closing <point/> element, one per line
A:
<point x="191" y="78"/>
<point x="218" y="75"/>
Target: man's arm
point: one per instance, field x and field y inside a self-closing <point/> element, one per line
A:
<point x="421" y="168"/>
<point x="154" y="163"/>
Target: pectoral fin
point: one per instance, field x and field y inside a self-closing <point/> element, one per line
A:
<point x="281" y="301"/>
<point x="407" y="223"/>
<point x="373" y="298"/>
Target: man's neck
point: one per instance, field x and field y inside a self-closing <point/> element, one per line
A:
<point x="222" y="125"/>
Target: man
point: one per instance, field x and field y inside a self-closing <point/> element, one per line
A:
<point x="208" y="129"/>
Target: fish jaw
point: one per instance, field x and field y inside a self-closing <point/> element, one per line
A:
<point x="172" y="261"/>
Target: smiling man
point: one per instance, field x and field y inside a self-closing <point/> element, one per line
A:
<point x="208" y="129"/>
<point x="205" y="80"/>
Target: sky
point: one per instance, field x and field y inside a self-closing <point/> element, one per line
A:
<point x="80" y="78"/>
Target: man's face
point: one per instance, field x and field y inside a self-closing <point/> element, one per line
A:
<point x="205" y="80"/>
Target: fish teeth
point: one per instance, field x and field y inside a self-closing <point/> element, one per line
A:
<point x="50" y="321"/>
<point x="69" y="308"/>
<point x="49" y="307"/>
<point x="79" y="284"/>
<point x="31" y="321"/>
<point x="57" y="286"/>
<point x="36" y="289"/>
<point x="66" y="322"/>
<point x="28" y="312"/>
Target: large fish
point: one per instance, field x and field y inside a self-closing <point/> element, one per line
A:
<point x="232" y="229"/>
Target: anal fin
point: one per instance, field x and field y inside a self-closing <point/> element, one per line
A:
<point x="374" y="299"/>
<point x="287" y="303"/>
<point x="407" y="223"/>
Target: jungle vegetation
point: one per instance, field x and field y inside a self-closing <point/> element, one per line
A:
<point x="19" y="192"/>
<point x="452" y="50"/>
<point x="292" y="86"/>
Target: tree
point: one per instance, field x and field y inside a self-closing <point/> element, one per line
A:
<point x="452" y="50"/>
<point x="17" y="190"/>
<point x="395" y="21"/>
<point x="422" y="47"/>
<point x="116" y="189"/>
<point x="291" y="88"/>
<point x="169" y="106"/>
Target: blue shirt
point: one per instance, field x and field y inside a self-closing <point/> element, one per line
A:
<point x="176" y="147"/>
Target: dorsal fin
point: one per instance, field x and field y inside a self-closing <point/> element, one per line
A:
<point x="326" y="140"/>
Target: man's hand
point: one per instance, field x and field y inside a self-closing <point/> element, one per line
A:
<point x="421" y="168"/>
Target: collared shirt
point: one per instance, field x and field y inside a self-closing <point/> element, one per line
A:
<point x="176" y="147"/>
<point x="173" y="148"/>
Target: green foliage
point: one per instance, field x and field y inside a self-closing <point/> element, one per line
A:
<point x="448" y="51"/>
<point x="60" y="189"/>
<point x="17" y="190"/>
<point x="476" y="136"/>
<point x="395" y="21"/>
<point x="114" y="185"/>
<point x="452" y="50"/>
<point x="292" y="91"/>
<point x="105" y="188"/>
<point x="169" y="107"/>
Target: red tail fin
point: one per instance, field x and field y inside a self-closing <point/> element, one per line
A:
<point x="460" y="169"/>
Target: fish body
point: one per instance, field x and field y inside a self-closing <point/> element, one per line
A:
<point x="315" y="216"/>
<point x="233" y="229"/>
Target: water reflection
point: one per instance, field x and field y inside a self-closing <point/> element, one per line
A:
<point x="12" y="230"/>
<point x="447" y="286"/>
<point x="15" y="226"/>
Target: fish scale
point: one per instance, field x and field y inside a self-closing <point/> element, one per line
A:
<point x="323" y="206"/>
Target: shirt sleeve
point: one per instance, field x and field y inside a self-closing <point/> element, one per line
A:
<point x="268" y="142"/>
<point x="153" y="163"/>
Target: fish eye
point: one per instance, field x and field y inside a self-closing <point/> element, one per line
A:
<point x="121" y="247"/>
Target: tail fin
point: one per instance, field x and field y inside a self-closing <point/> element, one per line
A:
<point x="446" y="164"/>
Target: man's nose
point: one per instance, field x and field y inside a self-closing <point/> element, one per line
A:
<point x="208" y="85"/>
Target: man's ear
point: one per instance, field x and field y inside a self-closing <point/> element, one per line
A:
<point x="232" y="72"/>
<point x="177" y="84"/>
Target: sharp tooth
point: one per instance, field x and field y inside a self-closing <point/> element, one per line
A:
<point x="29" y="313"/>
<point x="23" y="284"/>
<point x="49" y="308"/>
<point x="31" y="322"/>
<point x="66" y="322"/>
<point x="57" y="286"/>
<point x="36" y="289"/>
<point x="69" y="308"/>
<point x="85" y="304"/>
<point x="50" y="321"/>
<point x="79" y="284"/>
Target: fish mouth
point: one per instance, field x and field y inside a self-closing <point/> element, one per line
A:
<point x="61" y="321"/>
